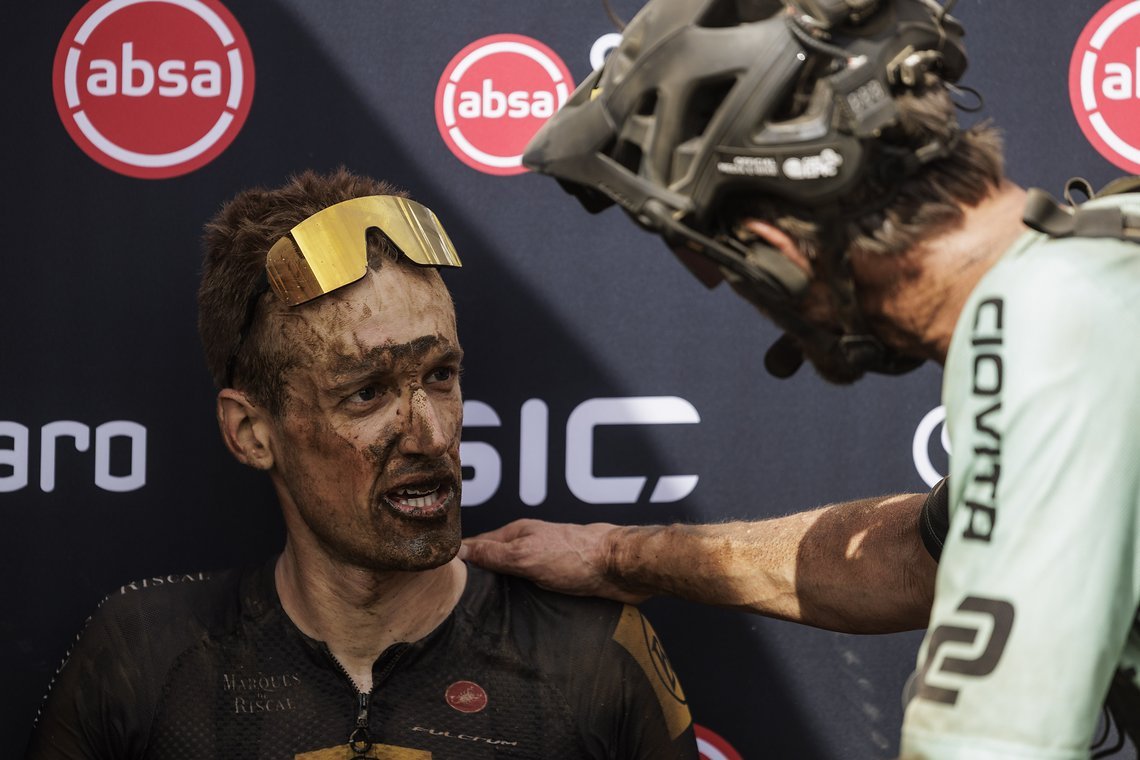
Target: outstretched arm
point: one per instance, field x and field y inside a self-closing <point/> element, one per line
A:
<point x="858" y="566"/>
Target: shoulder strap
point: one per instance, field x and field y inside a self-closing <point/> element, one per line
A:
<point x="1045" y="214"/>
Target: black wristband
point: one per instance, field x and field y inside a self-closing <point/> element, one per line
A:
<point x="934" y="518"/>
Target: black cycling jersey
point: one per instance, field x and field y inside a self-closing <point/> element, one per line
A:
<point x="200" y="666"/>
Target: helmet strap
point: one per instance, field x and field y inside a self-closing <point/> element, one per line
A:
<point x="854" y="345"/>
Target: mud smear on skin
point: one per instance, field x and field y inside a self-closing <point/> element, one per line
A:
<point x="421" y="545"/>
<point x="296" y="331"/>
<point x="400" y="359"/>
<point x="314" y="326"/>
<point x="431" y="546"/>
<point x="389" y="355"/>
<point x="409" y="357"/>
<point x="331" y="349"/>
<point x="310" y="325"/>
<point x="311" y="331"/>
<point x="422" y="467"/>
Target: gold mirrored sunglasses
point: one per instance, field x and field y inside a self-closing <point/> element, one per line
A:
<point x="329" y="249"/>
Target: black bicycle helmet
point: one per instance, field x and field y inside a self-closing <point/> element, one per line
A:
<point x="706" y="100"/>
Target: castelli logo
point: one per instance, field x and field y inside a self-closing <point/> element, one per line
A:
<point x="712" y="746"/>
<point x="493" y="97"/>
<point x="153" y="88"/>
<point x="466" y="696"/>
<point x="1104" y="83"/>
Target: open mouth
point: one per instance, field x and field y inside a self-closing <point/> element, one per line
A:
<point x="421" y="500"/>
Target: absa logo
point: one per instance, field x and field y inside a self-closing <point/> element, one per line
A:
<point x="1104" y="83"/>
<point x="493" y="97"/>
<point x="153" y="88"/>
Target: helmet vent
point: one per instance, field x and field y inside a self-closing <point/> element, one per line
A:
<point x="703" y="105"/>
<point x="628" y="154"/>
<point x="727" y="13"/>
<point x="627" y="148"/>
<point x="648" y="104"/>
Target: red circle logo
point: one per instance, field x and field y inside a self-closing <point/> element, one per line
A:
<point x="712" y="746"/>
<point x="493" y="97"/>
<point x="1104" y="83"/>
<point x="466" y="696"/>
<point x="153" y="88"/>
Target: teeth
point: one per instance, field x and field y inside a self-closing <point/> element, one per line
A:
<point x="414" y="492"/>
<point x="419" y="501"/>
<point x="415" y="500"/>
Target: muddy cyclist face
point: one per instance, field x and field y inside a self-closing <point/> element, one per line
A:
<point x="367" y="448"/>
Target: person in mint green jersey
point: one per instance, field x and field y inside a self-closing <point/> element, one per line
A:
<point x="809" y="154"/>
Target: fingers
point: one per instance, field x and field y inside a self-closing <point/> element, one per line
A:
<point x="508" y="532"/>
<point x="502" y="549"/>
<point x="560" y="557"/>
<point x="482" y="552"/>
<point x="531" y="548"/>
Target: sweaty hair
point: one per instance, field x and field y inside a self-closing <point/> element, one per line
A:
<point x="921" y="206"/>
<point x="235" y="305"/>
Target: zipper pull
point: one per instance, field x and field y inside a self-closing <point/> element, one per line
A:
<point x="360" y="742"/>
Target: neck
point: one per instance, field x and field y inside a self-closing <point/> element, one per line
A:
<point x="913" y="300"/>
<point x="357" y="612"/>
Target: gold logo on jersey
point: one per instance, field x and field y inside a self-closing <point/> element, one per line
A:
<point x="637" y="636"/>
<point x="377" y="752"/>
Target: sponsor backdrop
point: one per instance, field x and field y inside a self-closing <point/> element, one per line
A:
<point x="602" y="381"/>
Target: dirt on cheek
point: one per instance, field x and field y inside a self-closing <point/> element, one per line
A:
<point x="312" y="430"/>
<point x="381" y="452"/>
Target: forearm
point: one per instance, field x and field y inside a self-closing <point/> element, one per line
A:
<point x="858" y="566"/>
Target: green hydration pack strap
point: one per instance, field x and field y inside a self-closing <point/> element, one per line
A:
<point x="1045" y="214"/>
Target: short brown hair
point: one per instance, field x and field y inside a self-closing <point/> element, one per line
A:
<point x="234" y="301"/>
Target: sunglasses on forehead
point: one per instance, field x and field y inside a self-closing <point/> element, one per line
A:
<point x="330" y="250"/>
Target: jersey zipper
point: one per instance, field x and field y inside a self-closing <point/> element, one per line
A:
<point x="359" y="741"/>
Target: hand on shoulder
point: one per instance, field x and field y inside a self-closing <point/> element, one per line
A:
<point x="563" y="557"/>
